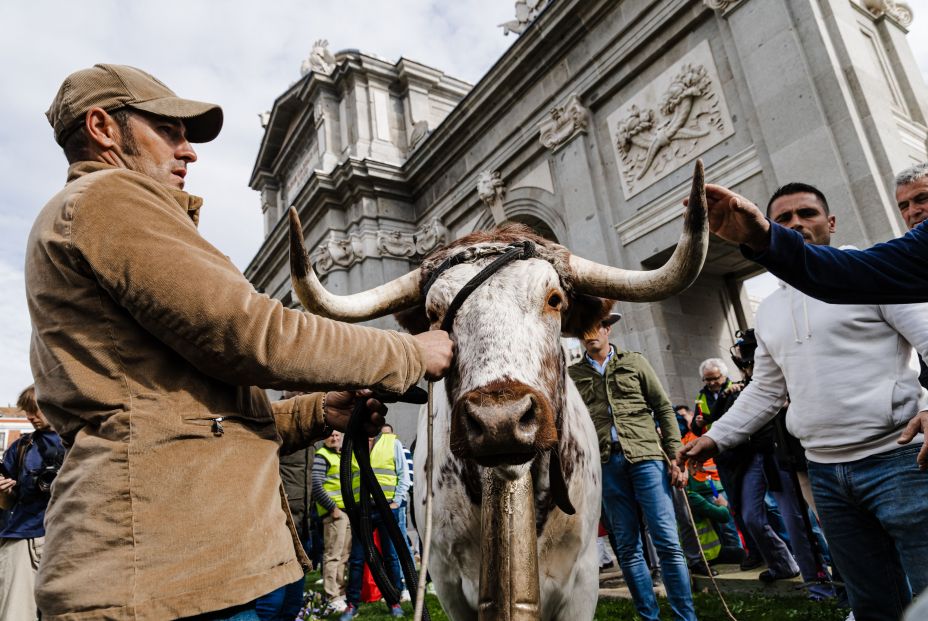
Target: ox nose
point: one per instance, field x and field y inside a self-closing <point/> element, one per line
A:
<point x="501" y="432"/>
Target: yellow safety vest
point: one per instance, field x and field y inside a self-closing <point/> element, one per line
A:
<point x="383" y="464"/>
<point x="708" y="539"/>
<point x="332" y="484"/>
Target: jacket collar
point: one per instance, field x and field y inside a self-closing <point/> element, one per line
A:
<point x="188" y="202"/>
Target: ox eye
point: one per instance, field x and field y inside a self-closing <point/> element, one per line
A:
<point x="554" y="300"/>
<point x="432" y="316"/>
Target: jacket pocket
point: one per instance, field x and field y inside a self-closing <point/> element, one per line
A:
<point x="585" y="388"/>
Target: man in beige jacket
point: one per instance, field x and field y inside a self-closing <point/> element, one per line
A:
<point x="147" y="343"/>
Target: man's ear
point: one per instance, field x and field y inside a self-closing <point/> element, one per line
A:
<point x="101" y="128"/>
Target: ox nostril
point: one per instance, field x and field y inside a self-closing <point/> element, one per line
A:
<point x="474" y="426"/>
<point x="528" y="419"/>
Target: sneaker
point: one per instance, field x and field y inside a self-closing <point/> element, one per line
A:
<point x="404" y="596"/>
<point x="350" y="613"/>
<point x="699" y="569"/>
<point x="751" y="562"/>
<point x="850" y="617"/>
<point x="338" y="604"/>
<point x="607" y="565"/>
<point x="396" y="611"/>
<point x="430" y="588"/>
<point x="768" y="576"/>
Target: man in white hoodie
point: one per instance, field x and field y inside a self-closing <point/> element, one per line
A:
<point x="852" y="378"/>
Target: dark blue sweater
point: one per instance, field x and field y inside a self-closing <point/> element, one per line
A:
<point x="894" y="272"/>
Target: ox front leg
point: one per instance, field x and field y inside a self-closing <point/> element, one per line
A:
<point x="509" y="551"/>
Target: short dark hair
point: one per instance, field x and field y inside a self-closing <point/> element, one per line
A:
<point x="27" y="401"/>
<point x="798" y="188"/>
<point x="77" y="146"/>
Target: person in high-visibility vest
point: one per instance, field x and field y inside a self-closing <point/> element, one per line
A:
<point x="327" y="493"/>
<point x="388" y="461"/>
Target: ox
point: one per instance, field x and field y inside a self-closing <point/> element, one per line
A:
<point x="507" y="403"/>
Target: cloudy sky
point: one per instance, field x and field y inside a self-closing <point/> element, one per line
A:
<point x="240" y="54"/>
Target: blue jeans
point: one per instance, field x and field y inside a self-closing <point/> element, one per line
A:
<point x="627" y="486"/>
<point x="875" y="515"/>
<point x="356" y="560"/>
<point x="754" y="513"/>
<point x="401" y="520"/>
<point x="245" y="612"/>
<point x="281" y="604"/>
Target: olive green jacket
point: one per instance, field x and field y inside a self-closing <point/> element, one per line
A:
<point x="630" y="386"/>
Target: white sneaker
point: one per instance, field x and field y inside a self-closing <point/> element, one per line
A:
<point x="338" y="604"/>
<point x="404" y="596"/>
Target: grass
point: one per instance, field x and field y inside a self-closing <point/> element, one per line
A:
<point x="708" y="608"/>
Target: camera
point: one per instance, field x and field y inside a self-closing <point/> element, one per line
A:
<point x="45" y="476"/>
<point x="742" y="352"/>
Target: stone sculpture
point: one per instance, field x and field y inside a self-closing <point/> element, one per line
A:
<point x="320" y="59"/>
<point x="563" y="123"/>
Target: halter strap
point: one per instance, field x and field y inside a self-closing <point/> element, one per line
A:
<point x="513" y="252"/>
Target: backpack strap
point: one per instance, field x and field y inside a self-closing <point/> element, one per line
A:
<point x="25" y="443"/>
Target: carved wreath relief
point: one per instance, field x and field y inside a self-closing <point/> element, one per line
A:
<point x="341" y="253"/>
<point x="675" y="118"/>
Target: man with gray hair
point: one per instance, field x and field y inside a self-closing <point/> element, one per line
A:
<point x="912" y="199"/>
<point x="912" y="194"/>
<point x="714" y="374"/>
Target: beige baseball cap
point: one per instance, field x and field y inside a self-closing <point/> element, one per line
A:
<point x="120" y="86"/>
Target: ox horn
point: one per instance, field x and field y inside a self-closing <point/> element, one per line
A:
<point x="394" y="296"/>
<point x="670" y="279"/>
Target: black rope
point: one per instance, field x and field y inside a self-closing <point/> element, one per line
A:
<point x="521" y="250"/>
<point x="359" y="512"/>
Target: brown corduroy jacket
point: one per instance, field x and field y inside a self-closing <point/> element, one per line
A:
<point x="143" y="335"/>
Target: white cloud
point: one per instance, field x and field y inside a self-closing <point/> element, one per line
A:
<point x="14" y="335"/>
<point x="238" y="53"/>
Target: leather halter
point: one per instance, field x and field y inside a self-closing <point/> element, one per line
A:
<point x="513" y="252"/>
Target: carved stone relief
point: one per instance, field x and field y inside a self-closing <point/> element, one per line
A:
<point x="563" y="123"/>
<point x="900" y="11"/>
<point x="320" y="59"/>
<point x="343" y="252"/>
<point x="676" y="117"/>
<point x="420" y="129"/>
<point x="430" y="236"/>
<point x="396" y="244"/>
<point x="491" y="191"/>
<point x="720" y="5"/>
<point x="526" y="12"/>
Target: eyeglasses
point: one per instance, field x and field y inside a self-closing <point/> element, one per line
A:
<point x="714" y="378"/>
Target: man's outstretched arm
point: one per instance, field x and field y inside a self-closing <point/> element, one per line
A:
<point x="893" y="272"/>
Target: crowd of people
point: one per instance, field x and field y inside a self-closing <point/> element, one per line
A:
<point x="810" y="463"/>
<point x="151" y="351"/>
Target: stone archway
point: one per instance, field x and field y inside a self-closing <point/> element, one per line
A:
<point x="530" y="206"/>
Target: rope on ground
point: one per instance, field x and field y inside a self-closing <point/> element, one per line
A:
<point x="702" y="555"/>
<point x="427" y="540"/>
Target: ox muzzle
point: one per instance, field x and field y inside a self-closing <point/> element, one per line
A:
<point x="505" y="422"/>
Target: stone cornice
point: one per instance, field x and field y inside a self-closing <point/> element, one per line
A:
<point x="350" y="180"/>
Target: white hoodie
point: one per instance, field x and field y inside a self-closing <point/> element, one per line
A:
<point x="850" y="371"/>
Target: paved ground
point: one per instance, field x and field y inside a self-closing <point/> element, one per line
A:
<point x="730" y="580"/>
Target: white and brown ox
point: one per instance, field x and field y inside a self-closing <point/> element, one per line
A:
<point x="507" y="403"/>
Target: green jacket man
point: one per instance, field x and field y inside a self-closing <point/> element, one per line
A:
<point x="628" y="397"/>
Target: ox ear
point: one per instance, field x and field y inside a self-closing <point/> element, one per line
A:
<point x="584" y="313"/>
<point x="413" y="320"/>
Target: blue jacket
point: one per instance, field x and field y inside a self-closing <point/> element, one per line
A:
<point x="27" y="516"/>
<point x="894" y="272"/>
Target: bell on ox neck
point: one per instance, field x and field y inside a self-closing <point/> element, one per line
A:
<point x="509" y="551"/>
